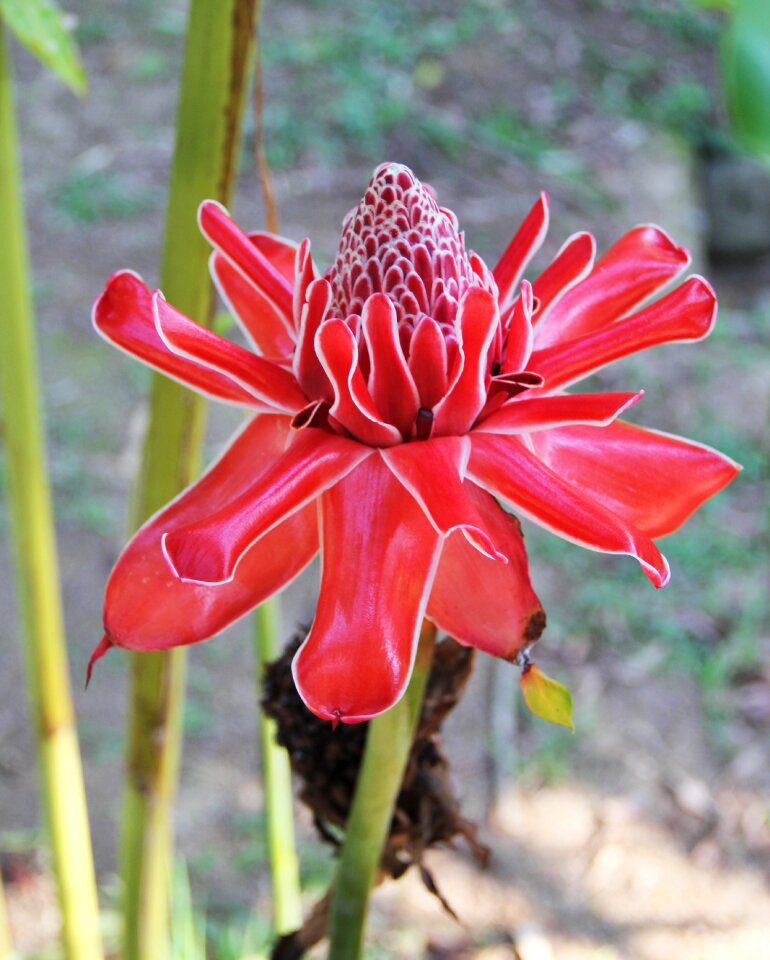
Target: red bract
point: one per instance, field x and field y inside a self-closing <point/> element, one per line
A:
<point x="393" y="401"/>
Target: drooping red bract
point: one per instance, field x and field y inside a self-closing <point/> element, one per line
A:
<point x="392" y="403"/>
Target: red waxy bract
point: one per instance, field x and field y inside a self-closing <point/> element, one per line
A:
<point x="391" y="401"/>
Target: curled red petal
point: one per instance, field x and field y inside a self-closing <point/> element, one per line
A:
<point x="529" y="414"/>
<point x="304" y="275"/>
<point x="264" y="325"/>
<point x="123" y="314"/>
<point x="433" y="473"/>
<point x="477" y="323"/>
<point x="379" y="555"/>
<point x="482" y="603"/>
<point x="209" y="549"/>
<point x="518" y="325"/>
<point x="571" y="264"/>
<point x="684" y="315"/>
<point x="506" y="468"/>
<point x="306" y="365"/>
<point x="634" y="268"/>
<point x="148" y="608"/>
<point x="525" y="244"/>
<point x="267" y="382"/>
<point x="391" y="385"/>
<point x="428" y="362"/>
<point x="651" y="479"/>
<point x="223" y="233"/>
<point x="353" y="406"/>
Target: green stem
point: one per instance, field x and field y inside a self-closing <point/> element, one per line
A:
<point x="276" y="775"/>
<point x="218" y="53"/>
<point x="388" y="743"/>
<point x="36" y="563"/>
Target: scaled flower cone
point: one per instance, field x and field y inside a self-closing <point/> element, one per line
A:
<point x="394" y="403"/>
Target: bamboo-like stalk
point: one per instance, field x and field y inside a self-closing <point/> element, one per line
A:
<point x="34" y="544"/>
<point x="388" y="743"/>
<point x="218" y="52"/>
<point x="276" y="776"/>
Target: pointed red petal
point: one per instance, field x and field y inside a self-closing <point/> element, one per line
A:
<point x="518" y="324"/>
<point x="686" y="314"/>
<point x="99" y="651"/>
<point x="353" y="406"/>
<point x="653" y="480"/>
<point x="267" y="382"/>
<point x="304" y="275"/>
<point x="528" y="414"/>
<point x="521" y="249"/>
<point x="257" y="315"/>
<point x="571" y="264"/>
<point x="124" y="316"/>
<point x="433" y="473"/>
<point x="390" y="382"/>
<point x="505" y="467"/>
<point x="223" y="233"/>
<point x="148" y="608"/>
<point x="482" y="603"/>
<point x="209" y="549"/>
<point x="306" y="365"/>
<point x="639" y="265"/>
<point x="477" y="322"/>
<point x="428" y="362"/>
<point x="379" y="558"/>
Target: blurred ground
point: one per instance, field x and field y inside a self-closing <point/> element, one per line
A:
<point x="644" y="836"/>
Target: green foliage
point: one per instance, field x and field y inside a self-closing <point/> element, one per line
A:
<point x="745" y="62"/>
<point x="152" y="65"/>
<point x="252" y="843"/>
<point x="352" y="88"/>
<point x="679" y="19"/>
<point x="387" y="84"/>
<point x="93" y="27"/>
<point x="242" y="938"/>
<point x="188" y="926"/>
<point x="88" y="197"/>
<point x="42" y="27"/>
<point x="639" y="85"/>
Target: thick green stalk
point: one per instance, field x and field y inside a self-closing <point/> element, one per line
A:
<point x="276" y="775"/>
<point x="388" y="743"/>
<point x="34" y="544"/>
<point x="217" y="58"/>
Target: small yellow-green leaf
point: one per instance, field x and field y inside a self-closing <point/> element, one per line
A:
<point x="42" y="27"/>
<point x="546" y="698"/>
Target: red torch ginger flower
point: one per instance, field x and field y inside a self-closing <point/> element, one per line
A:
<point x="393" y="402"/>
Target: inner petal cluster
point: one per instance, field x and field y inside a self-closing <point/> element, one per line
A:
<point x="400" y="242"/>
<point x="401" y="285"/>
